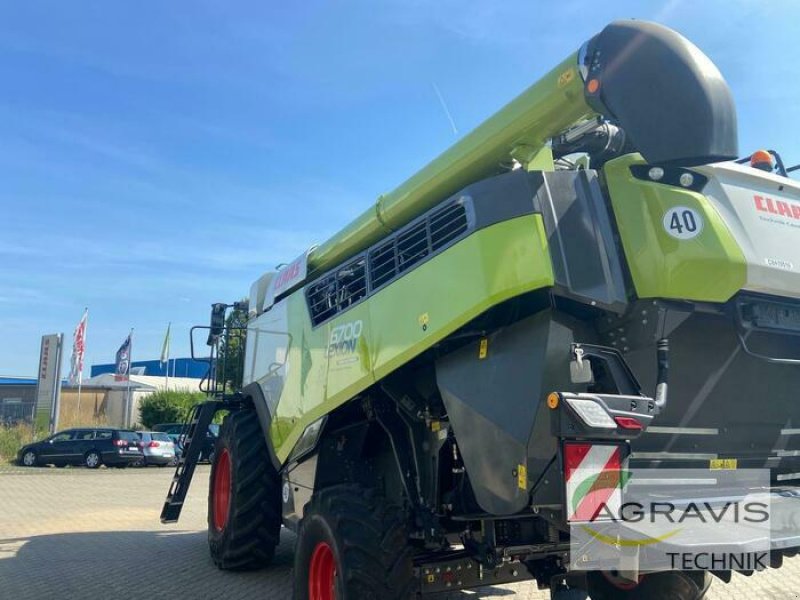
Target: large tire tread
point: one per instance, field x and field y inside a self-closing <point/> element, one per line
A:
<point x="252" y="532"/>
<point x="371" y="538"/>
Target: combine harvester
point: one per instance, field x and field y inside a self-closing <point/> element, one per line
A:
<point x="592" y="272"/>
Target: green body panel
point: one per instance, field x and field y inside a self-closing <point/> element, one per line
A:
<point x="521" y="130"/>
<point x="400" y="321"/>
<point x="709" y="267"/>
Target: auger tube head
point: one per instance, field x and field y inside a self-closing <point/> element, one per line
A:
<point x="670" y="99"/>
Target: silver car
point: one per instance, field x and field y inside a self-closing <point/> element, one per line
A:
<point x="157" y="448"/>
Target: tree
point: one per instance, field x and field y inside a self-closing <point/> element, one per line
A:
<point x="230" y="360"/>
<point x="167" y="406"/>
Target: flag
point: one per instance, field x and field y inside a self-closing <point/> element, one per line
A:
<point x="123" y="362"/>
<point x="165" y="347"/>
<point x="78" y="350"/>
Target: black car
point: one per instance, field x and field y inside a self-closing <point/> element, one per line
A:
<point x="91" y="447"/>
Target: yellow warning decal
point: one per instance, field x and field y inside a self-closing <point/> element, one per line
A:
<point x="566" y="77"/>
<point x="483" y="349"/>
<point x="522" y="477"/>
<point x="723" y="464"/>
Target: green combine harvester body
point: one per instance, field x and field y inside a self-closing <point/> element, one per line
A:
<point x="593" y="253"/>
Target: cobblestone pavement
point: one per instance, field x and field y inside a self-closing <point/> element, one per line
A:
<point x="74" y="533"/>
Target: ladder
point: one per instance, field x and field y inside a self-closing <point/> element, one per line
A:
<point x="194" y="433"/>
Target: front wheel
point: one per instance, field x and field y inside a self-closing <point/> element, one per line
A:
<point x="352" y="545"/>
<point x="244" y="498"/>
<point x="29" y="459"/>
<point x="667" y="585"/>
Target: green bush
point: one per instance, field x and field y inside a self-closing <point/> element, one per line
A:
<point x="13" y="437"/>
<point x="167" y="406"/>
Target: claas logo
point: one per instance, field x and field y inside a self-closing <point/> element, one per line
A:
<point x="777" y="207"/>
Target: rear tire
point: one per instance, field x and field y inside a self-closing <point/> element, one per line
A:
<point x="244" y="498"/>
<point x="92" y="460"/>
<point x="352" y="545"/>
<point x="667" y="585"/>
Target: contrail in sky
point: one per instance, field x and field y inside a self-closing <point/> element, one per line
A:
<point x="444" y="107"/>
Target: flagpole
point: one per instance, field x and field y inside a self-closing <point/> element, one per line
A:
<point x="165" y="355"/>
<point x="130" y="363"/>
<point x="80" y="370"/>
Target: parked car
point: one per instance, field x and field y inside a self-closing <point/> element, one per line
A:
<point x="175" y="430"/>
<point x="157" y="448"/>
<point x="88" y="446"/>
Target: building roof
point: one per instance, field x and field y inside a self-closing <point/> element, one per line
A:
<point x="143" y="383"/>
<point x="11" y="380"/>
<point x="178" y="367"/>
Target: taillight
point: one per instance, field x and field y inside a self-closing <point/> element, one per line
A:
<point x="592" y="413"/>
<point x="120" y="443"/>
<point x="153" y="445"/>
<point x="628" y="423"/>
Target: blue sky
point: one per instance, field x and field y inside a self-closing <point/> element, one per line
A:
<point x="156" y="157"/>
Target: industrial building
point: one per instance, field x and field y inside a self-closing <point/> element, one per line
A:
<point x="102" y="399"/>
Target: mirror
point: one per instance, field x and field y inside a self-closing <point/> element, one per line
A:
<point x="217" y="322"/>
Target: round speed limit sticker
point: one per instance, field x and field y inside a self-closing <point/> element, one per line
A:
<point x="683" y="223"/>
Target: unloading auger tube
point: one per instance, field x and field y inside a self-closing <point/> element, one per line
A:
<point x="660" y="89"/>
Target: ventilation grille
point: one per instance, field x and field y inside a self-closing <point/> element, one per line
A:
<point x="415" y="243"/>
<point x="337" y="291"/>
<point x="347" y="285"/>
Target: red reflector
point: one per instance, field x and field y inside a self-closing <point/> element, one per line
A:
<point x="628" y="423"/>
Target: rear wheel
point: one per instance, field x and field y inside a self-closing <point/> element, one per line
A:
<point x="92" y="459"/>
<point x="668" y="585"/>
<point x="352" y="545"/>
<point x="244" y="500"/>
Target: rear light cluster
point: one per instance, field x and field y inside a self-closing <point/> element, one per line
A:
<point x="120" y="442"/>
<point x="594" y="415"/>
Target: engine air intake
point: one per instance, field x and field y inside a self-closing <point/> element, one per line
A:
<point x="416" y="242"/>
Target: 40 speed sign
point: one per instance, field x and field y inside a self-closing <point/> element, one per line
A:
<point x="683" y="223"/>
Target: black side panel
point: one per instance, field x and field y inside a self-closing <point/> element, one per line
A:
<point x="667" y="95"/>
<point x="504" y="197"/>
<point x="496" y="406"/>
<point x="723" y="403"/>
<point x="586" y="263"/>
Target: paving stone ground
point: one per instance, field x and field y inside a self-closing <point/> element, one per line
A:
<point x="75" y="533"/>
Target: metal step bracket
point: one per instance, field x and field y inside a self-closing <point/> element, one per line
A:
<point x="193" y="439"/>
